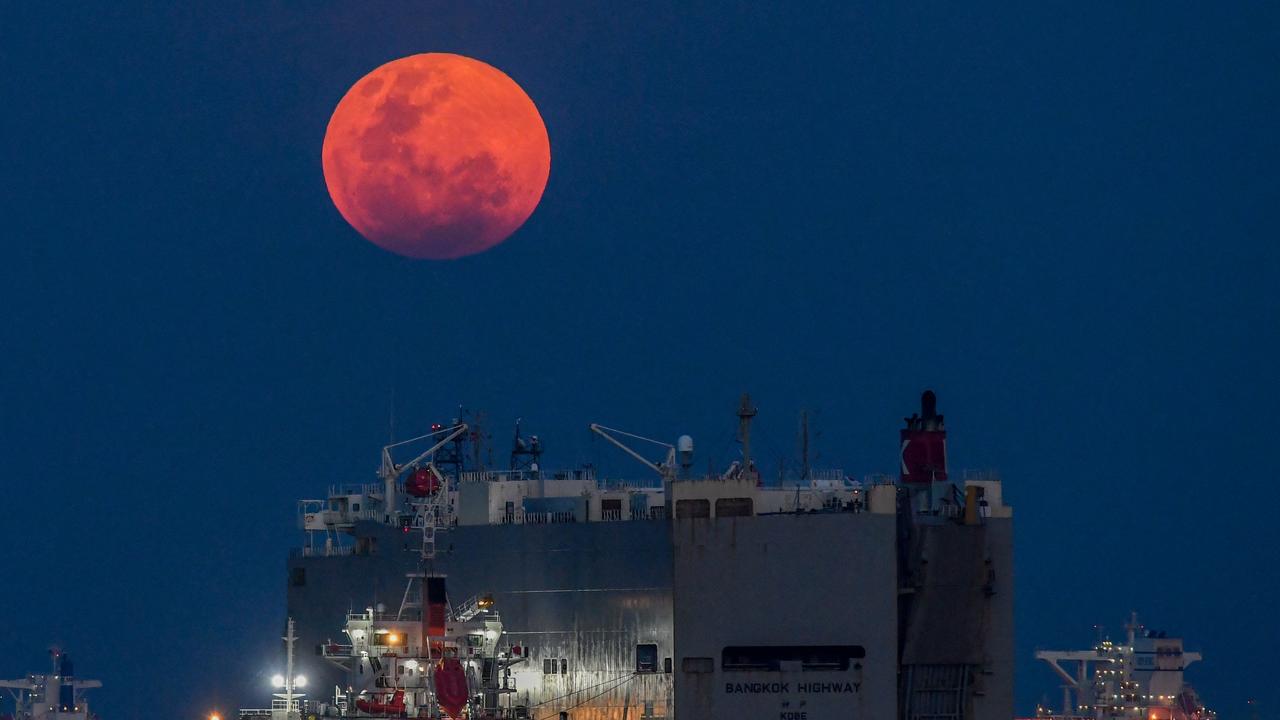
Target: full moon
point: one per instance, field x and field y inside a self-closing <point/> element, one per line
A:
<point x="436" y="156"/>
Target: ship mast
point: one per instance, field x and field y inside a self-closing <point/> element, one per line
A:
<point x="804" y="445"/>
<point x="291" y="682"/>
<point x="746" y="411"/>
<point x="289" y="637"/>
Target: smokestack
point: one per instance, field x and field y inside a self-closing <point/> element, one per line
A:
<point x="437" y="602"/>
<point x="924" y="445"/>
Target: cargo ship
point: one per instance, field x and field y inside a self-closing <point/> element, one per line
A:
<point x="1138" y="677"/>
<point x="451" y="588"/>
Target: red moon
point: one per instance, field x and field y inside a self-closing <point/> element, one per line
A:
<point x="436" y="156"/>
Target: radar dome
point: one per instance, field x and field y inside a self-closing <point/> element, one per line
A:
<point x="684" y="448"/>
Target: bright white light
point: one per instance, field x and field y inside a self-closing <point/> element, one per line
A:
<point x="300" y="681"/>
<point x="277" y="680"/>
<point x="492" y="635"/>
<point x="411" y="664"/>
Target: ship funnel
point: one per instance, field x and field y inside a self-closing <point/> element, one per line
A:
<point x="684" y="451"/>
<point x="924" y="445"/>
<point x="928" y="404"/>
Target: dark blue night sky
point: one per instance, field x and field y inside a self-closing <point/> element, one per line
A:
<point x="1061" y="216"/>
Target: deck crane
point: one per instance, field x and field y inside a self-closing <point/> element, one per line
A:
<point x="391" y="471"/>
<point x="430" y="514"/>
<point x="665" y="469"/>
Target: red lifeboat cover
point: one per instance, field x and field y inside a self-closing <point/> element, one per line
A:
<point x="422" y="483"/>
<point x="451" y="687"/>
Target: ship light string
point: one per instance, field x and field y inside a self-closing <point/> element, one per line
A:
<point x="624" y="676"/>
<point x="620" y="682"/>
<point x="617" y="682"/>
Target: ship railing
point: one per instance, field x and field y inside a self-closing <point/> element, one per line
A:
<point x="950" y="510"/>
<point x="338" y="649"/>
<point x="356" y="489"/>
<point x="550" y="518"/>
<point x="518" y="516"/>
<point x="330" y="551"/>
<point x="514" y="517"/>
<point x="587" y="474"/>
<point x="980" y="475"/>
<point x="827" y="476"/>
<point x="279" y="707"/>
<point x="623" y="485"/>
<point x="361" y="514"/>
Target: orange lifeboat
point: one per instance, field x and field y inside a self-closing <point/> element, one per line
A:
<point x="390" y="705"/>
<point x="422" y="483"/>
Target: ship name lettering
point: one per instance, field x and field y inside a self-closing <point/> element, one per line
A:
<point x="825" y="687"/>
<point x="758" y="687"/>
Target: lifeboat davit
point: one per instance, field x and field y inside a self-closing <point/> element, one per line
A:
<point x="422" y="483"/>
<point x="451" y="687"/>
<point x="389" y="705"/>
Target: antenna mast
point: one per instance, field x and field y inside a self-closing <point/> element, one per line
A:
<point x="746" y="411"/>
<point x="290" y="710"/>
<point x="804" y="444"/>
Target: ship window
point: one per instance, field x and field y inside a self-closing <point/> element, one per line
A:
<point x="298" y="576"/>
<point x="564" y="665"/>
<point x="355" y="507"/>
<point x="392" y="639"/>
<point x="697" y="665"/>
<point x="734" y="507"/>
<point x="666" y="665"/>
<point x="647" y="658"/>
<point x="548" y="666"/>
<point x="774" y="657"/>
<point x="699" y="508"/>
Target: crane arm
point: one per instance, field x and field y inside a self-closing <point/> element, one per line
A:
<point x="390" y="468"/>
<point x="603" y="432"/>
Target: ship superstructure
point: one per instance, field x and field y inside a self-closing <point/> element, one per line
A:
<point x="691" y="595"/>
<point x="1139" y="677"/>
<point x="428" y="659"/>
<point x="59" y="695"/>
